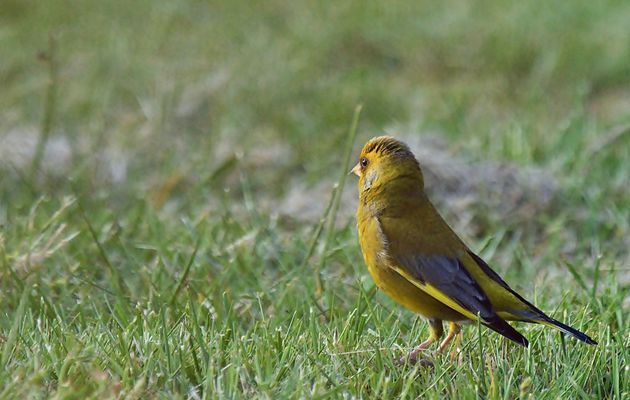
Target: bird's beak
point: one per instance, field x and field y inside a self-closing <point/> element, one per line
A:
<point x="356" y="170"/>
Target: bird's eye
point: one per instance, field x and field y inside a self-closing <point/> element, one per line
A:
<point x="364" y="162"/>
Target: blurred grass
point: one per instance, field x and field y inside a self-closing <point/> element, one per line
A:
<point x="216" y="105"/>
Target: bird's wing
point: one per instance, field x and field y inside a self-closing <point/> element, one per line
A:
<point x="446" y="280"/>
<point x="441" y="274"/>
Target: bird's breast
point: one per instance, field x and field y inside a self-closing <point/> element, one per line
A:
<point x="374" y="246"/>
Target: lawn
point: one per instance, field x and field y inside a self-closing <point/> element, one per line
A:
<point x="176" y="220"/>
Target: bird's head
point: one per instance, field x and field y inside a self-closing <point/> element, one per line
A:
<point x="384" y="159"/>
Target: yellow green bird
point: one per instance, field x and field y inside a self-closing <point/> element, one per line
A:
<point x="417" y="259"/>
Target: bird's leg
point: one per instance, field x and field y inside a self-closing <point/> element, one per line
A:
<point x="458" y="340"/>
<point x="413" y="355"/>
<point x="453" y="330"/>
<point x="436" y="331"/>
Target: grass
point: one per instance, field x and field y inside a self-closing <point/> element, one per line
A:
<point x="153" y="262"/>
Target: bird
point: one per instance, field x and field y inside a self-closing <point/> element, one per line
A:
<point x="415" y="257"/>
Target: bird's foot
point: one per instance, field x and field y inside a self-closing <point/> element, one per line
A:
<point x="413" y="359"/>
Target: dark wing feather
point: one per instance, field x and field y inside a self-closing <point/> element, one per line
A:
<point x="449" y="276"/>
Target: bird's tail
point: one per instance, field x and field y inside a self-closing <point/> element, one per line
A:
<point x="499" y="325"/>
<point x="566" y="329"/>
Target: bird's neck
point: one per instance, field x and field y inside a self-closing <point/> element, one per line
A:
<point x="390" y="194"/>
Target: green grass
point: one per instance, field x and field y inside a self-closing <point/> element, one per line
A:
<point x="182" y="280"/>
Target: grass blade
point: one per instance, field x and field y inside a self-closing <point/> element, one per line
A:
<point x="332" y="216"/>
<point x="9" y="345"/>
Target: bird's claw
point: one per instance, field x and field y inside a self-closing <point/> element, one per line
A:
<point x="413" y="359"/>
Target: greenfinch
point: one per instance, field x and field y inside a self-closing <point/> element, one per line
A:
<point x="417" y="260"/>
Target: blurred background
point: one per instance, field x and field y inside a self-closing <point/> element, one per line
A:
<point x="170" y="98"/>
<point x="518" y="112"/>
<point x="142" y="139"/>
